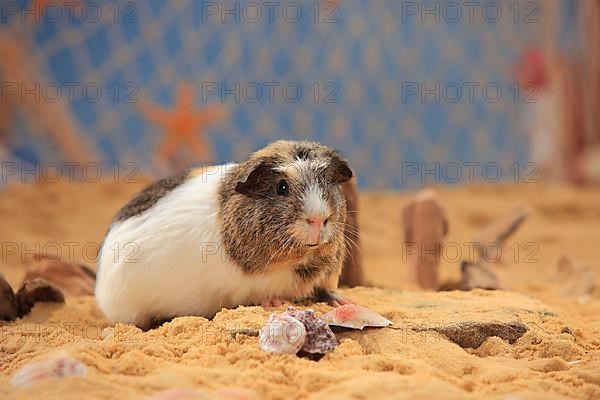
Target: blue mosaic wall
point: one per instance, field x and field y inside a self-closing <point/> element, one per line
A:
<point x="386" y="82"/>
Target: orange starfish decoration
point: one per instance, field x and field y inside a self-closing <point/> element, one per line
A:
<point x="38" y="7"/>
<point x="184" y="126"/>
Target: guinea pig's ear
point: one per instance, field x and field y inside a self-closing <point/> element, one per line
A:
<point x="340" y="171"/>
<point x="252" y="176"/>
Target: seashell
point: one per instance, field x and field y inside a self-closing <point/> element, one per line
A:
<point x="283" y="334"/>
<point x="54" y="368"/>
<point x="320" y="339"/>
<point x="355" y="317"/>
<point x="35" y="291"/>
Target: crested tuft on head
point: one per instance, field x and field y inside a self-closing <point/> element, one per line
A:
<point x="302" y="159"/>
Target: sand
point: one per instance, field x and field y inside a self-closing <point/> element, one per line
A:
<point x="558" y="356"/>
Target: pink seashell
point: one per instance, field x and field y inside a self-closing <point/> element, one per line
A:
<point x="355" y="317"/>
<point x="53" y="368"/>
<point x="283" y="334"/>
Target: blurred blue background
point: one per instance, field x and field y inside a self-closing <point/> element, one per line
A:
<point x="344" y="73"/>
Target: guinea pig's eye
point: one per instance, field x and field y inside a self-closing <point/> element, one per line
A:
<point x="283" y="188"/>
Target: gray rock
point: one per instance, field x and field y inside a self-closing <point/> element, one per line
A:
<point x="471" y="334"/>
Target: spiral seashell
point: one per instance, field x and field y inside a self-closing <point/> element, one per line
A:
<point x="53" y="368"/>
<point x="283" y="334"/>
<point x="320" y="339"/>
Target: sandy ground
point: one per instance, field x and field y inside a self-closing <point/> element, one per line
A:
<point x="558" y="357"/>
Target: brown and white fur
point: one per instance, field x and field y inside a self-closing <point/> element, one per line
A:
<point x="266" y="230"/>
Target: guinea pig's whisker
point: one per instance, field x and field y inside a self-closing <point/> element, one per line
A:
<point x="352" y="242"/>
<point x="273" y="256"/>
<point x="347" y="226"/>
<point x="356" y="232"/>
<point x="348" y="250"/>
<point x="292" y="247"/>
<point x="280" y="250"/>
<point x="351" y="229"/>
<point x="362" y="232"/>
<point x="288" y="244"/>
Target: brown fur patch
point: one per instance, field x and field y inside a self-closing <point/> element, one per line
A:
<point x="150" y="196"/>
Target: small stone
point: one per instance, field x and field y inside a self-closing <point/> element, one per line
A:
<point x="36" y="291"/>
<point x="567" y="330"/>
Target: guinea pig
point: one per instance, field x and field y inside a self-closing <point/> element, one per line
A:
<point x="265" y="231"/>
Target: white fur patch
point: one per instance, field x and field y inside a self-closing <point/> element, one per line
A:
<point x="314" y="203"/>
<point x="169" y="261"/>
<point x="302" y="169"/>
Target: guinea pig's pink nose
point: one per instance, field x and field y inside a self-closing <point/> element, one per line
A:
<point x="317" y="222"/>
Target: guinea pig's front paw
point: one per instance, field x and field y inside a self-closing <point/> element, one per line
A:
<point x="332" y="298"/>
<point x="274" y="303"/>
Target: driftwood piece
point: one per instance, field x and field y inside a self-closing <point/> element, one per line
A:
<point x="497" y="233"/>
<point x="479" y="273"/>
<point x="352" y="272"/>
<point x="8" y="301"/>
<point x="36" y="291"/>
<point x="74" y="279"/>
<point x="475" y="275"/>
<point x="425" y="227"/>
